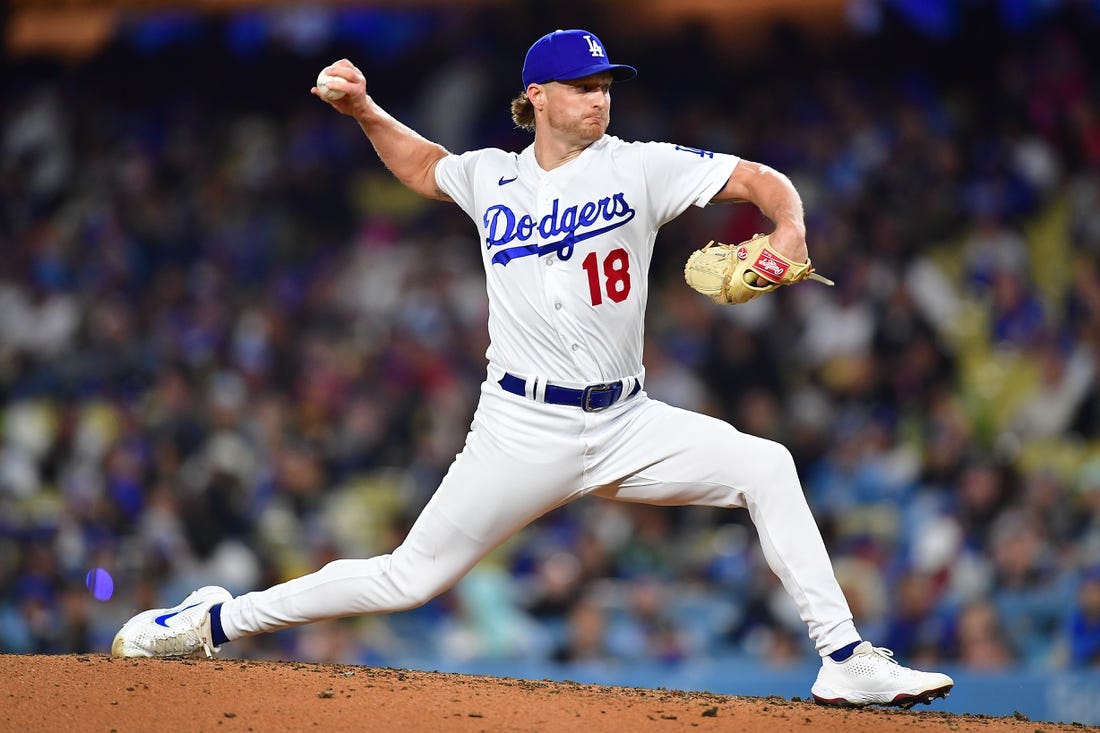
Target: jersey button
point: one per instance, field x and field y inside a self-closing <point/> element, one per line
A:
<point x="576" y="347"/>
<point x="557" y="306"/>
<point x="550" y="260"/>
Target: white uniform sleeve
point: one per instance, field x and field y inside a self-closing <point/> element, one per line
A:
<point x="455" y="175"/>
<point x="678" y="176"/>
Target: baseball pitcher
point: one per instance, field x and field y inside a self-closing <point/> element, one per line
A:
<point x="566" y="229"/>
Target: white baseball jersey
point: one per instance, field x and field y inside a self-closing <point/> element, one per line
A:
<point x="567" y="251"/>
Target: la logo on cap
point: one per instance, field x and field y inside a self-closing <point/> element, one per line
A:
<point x="594" y="46"/>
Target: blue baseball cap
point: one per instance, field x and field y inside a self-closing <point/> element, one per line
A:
<point x="564" y="55"/>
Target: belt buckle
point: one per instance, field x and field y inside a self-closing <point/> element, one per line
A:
<point x="586" y="396"/>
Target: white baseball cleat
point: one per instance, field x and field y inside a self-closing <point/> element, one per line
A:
<point x="171" y="632"/>
<point x="871" y="676"/>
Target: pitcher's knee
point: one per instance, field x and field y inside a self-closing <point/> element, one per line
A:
<point x="780" y="454"/>
<point x="769" y="464"/>
<point x="780" y="459"/>
<point x="395" y="588"/>
<point x="416" y="594"/>
<point x="413" y="587"/>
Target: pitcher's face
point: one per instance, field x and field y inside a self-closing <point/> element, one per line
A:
<point x="580" y="108"/>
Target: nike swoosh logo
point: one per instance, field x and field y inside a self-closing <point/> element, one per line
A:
<point x="163" y="620"/>
<point x="504" y="180"/>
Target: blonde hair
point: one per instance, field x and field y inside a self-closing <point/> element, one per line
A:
<point x="523" y="112"/>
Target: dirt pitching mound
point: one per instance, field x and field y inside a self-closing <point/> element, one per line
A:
<point x="97" y="693"/>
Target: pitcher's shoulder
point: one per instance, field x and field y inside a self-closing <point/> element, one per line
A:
<point x="482" y="162"/>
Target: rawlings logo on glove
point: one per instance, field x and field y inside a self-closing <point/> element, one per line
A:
<point x="728" y="273"/>
<point x="770" y="266"/>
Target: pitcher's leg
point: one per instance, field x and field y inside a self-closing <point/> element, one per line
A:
<point x="793" y="547"/>
<point x="687" y="458"/>
<point x="500" y="482"/>
<point x="434" y="556"/>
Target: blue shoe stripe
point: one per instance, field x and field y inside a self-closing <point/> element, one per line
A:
<point x="163" y="620"/>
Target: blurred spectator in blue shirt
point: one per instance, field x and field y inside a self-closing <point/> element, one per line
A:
<point x="1084" y="622"/>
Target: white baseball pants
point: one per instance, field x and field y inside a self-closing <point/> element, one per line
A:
<point x="523" y="458"/>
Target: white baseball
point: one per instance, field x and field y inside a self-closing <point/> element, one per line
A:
<point x="322" y="85"/>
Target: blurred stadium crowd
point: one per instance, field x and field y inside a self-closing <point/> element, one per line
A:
<point x="232" y="348"/>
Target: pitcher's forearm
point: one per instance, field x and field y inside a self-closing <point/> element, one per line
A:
<point x="410" y="156"/>
<point x="776" y="197"/>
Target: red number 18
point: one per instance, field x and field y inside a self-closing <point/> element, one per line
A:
<point x="616" y="272"/>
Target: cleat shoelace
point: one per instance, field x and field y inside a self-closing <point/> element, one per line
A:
<point x="881" y="651"/>
<point x="180" y="644"/>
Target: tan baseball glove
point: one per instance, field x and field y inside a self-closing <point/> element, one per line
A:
<point x="729" y="273"/>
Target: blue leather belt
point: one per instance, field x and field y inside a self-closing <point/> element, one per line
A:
<point x="593" y="398"/>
